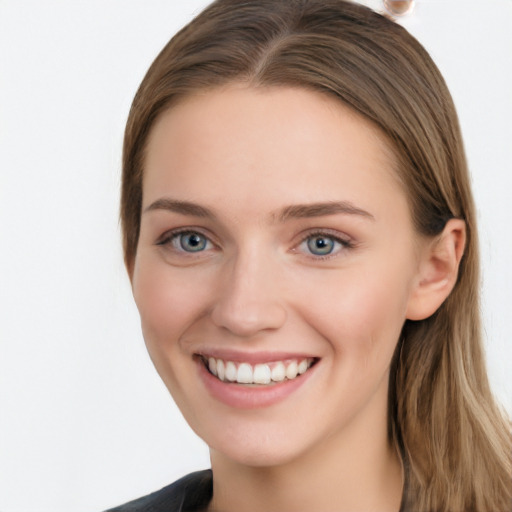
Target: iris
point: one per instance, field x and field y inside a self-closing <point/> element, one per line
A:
<point x="192" y="242"/>
<point x="320" y="245"/>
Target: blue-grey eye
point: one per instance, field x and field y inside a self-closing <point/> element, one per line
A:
<point x="321" y="245"/>
<point x="191" y="242"/>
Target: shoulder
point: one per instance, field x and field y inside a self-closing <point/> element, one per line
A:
<point x="192" y="493"/>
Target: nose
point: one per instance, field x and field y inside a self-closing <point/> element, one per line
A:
<point x="249" y="299"/>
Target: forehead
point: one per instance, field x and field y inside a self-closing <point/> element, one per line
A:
<point x="283" y="143"/>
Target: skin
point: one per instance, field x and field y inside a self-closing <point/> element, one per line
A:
<point x="247" y="155"/>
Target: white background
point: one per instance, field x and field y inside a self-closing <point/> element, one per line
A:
<point x="85" y="422"/>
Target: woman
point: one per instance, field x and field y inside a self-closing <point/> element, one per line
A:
<point x="300" y="236"/>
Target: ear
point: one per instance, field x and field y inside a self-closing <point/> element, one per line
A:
<point x="437" y="271"/>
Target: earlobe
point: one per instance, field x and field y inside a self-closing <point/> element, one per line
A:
<point x="438" y="271"/>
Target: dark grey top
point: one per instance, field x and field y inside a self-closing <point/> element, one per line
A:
<point x="192" y="493"/>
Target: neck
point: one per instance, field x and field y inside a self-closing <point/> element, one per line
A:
<point x="354" y="471"/>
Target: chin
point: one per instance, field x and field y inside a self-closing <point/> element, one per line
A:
<point x="258" y="456"/>
<point x="257" y="449"/>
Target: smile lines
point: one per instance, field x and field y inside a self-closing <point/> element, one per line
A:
<point x="266" y="373"/>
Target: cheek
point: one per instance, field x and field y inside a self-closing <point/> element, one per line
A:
<point x="167" y="300"/>
<point x="360" y="313"/>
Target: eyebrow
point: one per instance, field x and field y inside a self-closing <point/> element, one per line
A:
<point x="296" y="211"/>
<point x="183" y="207"/>
<point x="300" y="211"/>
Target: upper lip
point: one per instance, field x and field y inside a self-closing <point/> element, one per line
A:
<point x="238" y="356"/>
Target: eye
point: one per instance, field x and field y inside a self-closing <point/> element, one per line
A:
<point x="187" y="241"/>
<point x="323" y="244"/>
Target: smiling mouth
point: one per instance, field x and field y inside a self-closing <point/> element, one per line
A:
<point x="257" y="374"/>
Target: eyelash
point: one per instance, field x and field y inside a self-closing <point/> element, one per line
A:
<point x="170" y="237"/>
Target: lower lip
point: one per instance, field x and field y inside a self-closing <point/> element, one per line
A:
<point x="250" y="397"/>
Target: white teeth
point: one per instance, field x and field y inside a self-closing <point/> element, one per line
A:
<point x="303" y="366"/>
<point x="263" y="373"/>
<point x="212" y="365"/>
<point x="244" y="375"/>
<point x="231" y="373"/>
<point x="291" y="370"/>
<point x="221" y="370"/>
<point x="278" y="372"/>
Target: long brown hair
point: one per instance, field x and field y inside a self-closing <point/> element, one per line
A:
<point x="455" y="442"/>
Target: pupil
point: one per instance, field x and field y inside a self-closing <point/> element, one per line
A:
<point x="194" y="240"/>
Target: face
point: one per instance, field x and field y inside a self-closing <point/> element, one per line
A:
<point x="274" y="269"/>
